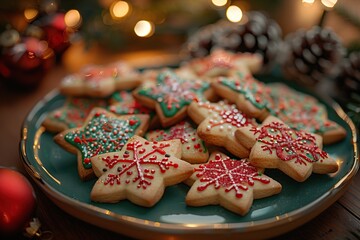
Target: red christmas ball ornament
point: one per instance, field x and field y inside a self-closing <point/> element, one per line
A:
<point x="17" y="201"/>
<point x="24" y="60"/>
<point x="55" y="31"/>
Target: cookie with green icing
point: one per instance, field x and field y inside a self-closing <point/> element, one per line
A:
<point x="171" y="95"/>
<point x="123" y="102"/>
<point x="72" y="114"/>
<point x="102" y="132"/>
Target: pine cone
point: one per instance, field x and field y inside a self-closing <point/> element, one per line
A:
<point x="348" y="80"/>
<point x="259" y="34"/>
<point x="312" y="55"/>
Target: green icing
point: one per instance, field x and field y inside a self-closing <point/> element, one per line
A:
<point x="101" y="135"/>
<point x="253" y="91"/>
<point x="173" y="93"/>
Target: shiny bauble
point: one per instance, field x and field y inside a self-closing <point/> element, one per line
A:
<point x="17" y="201"/>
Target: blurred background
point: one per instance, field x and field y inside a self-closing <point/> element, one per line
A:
<point x="311" y="40"/>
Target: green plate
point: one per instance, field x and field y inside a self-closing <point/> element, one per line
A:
<point x="55" y="170"/>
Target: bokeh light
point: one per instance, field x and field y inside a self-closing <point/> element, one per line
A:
<point x="144" y="28"/>
<point x="234" y="13"/>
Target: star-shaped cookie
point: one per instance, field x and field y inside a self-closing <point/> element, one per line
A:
<point x="221" y="62"/>
<point x="251" y="96"/>
<point x="296" y="153"/>
<point x="231" y="183"/>
<point x="102" y="132"/>
<point x="143" y="169"/>
<point x="171" y="95"/>
<point x="304" y="112"/>
<point x="100" y="81"/>
<point x="193" y="148"/>
<point x="122" y="103"/>
<point x="219" y="128"/>
<point x="72" y="114"/>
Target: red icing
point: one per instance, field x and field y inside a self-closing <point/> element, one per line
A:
<point x="138" y="165"/>
<point x="233" y="175"/>
<point x="289" y="144"/>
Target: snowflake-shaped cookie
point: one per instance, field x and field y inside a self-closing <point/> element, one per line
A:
<point x="171" y="95"/>
<point x="296" y="153"/>
<point x="100" y="81"/>
<point x="219" y="128"/>
<point x="102" y="132"/>
<point x="193" y="148"/>
<point x="140" y="172"/>
<point x="230" y="183"/>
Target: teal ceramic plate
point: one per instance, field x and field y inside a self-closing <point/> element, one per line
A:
<point x="55" y="171"/>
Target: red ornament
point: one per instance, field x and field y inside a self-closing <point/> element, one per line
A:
<point x="25" y="62"/>
<point x="17" y="201"/>
<point x="55" y="31"/>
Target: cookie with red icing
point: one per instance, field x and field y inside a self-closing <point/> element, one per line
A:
<point x="230" y="183"/>
<point x="123" y="102"/>
<point x="296" y="153"/>
<point x="219" y="127"/>
<point x="140" y="172"/>
<point x="304" y="112"/>
<point x="101" y="132"/>
<point x="192" y="146"/>
<point x="72" y="114"/>
<point x="221" y="63"/>
<point x="101" y="81"/>
<point x="171" y="95"/>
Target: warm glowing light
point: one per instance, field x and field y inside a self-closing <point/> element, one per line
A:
<point x="119" y="9"/>
<point x="219" y="3"/>
<point x="308" y="1"/>
<point x="30" y="13"/>
<point x="329" y="3"/>
<point x="144" y="28"/>
<point x="72" y="18"/>
<point x="234" y="13"/>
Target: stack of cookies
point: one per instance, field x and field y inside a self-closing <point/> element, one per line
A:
<point x="208" y="124"/>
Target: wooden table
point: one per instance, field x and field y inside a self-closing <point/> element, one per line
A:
<point x="340" y="221"/>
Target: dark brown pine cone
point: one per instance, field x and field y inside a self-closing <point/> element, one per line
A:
<point x="312" y="55"/>
<point x="348" y="80"/>
<point x="257" y="34"/>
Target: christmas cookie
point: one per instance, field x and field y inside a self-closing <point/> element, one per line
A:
<point x="303" y="112"/>
<point x="251" y="96"/>
<point x="122" y="102"/>
<point x="199" y="110"/>
<point x="221" y="63"/>
<point x="141" y="172"/>
<point x="219" y="128"/>
<point x="230" y="183"/>
<point x="100" y="81"/>
<point x="72" y="114"/>
<point x="102" y="132"/>
<point x="171" y="95"/>
<point x="296" y="153"/>
<point x="193" y="148"/>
